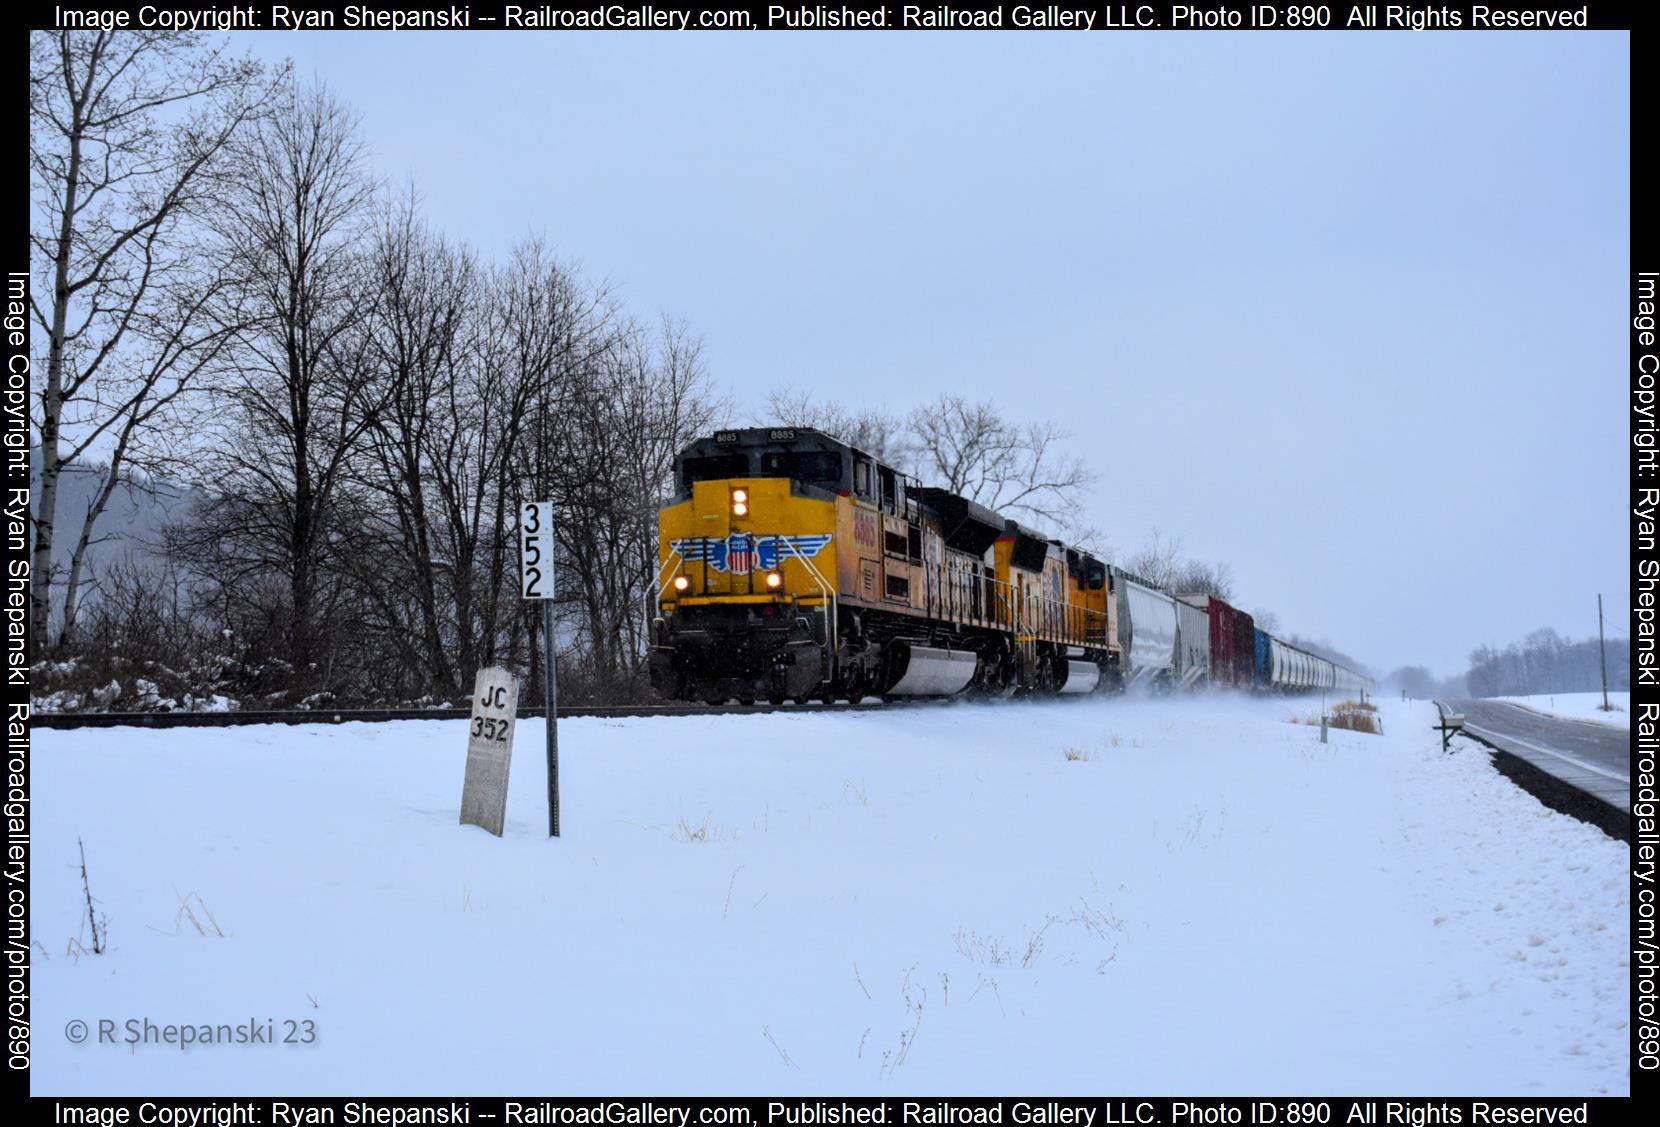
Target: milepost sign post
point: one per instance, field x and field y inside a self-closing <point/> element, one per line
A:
<point x="536" y="582"/>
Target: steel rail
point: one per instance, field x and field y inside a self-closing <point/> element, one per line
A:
<point x="68" y="720"/>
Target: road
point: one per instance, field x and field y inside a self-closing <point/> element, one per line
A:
<point x="1594" y="757"/>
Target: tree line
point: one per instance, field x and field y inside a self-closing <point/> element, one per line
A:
<point x="1545" y="662"/>
<point x="1022" y="470"/>
<point x="229" y="300"/>
<point x="228" y="296"/>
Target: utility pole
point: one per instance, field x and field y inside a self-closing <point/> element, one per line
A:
<point x="1602" y="650"/>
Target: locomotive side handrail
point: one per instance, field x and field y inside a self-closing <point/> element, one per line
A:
<point x="832" y="635"/>
<point x="659" y="584"/>
<point x="1005" y="605"/>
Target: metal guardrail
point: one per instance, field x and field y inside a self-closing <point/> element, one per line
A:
<point x="1451" y="724"/>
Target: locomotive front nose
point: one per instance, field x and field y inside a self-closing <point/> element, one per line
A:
<point x="750" y="607"/>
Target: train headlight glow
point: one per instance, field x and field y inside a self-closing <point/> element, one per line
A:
<point x="681" y="583"/>
<point x="739" y="496"/>
<point x="774" y="581"/>
<point x="739" y="509"/>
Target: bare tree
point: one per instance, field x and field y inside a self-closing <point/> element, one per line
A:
<point x="555" y="331"/>
<point x="1545" y="662"/>
<point x="124" y="128"/>
<point x="427" y="295"/>
<point x="1196" y="577"/>
<point x="647" y="396"/>
<point x="873" y="430"/>
<point x="972" y="450"/>
<point x="499" y="387"/>
<point x="968" y="448"/>
<point x="1158" y="560"/>
<point x="532" y="321"/>
<point x="378" y="404"/>
<point x="1162" y="561"/>
<point x="297" y="390"/>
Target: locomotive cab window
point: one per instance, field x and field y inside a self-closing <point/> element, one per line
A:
<point x="817" y="467"/>
<point x="890" y="484"/>
<point x="714" y="467"/>
<point x="861" y="477"/>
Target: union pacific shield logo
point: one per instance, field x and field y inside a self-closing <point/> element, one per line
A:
<point x="742" y="553"/>
<point x="738" y="553"/>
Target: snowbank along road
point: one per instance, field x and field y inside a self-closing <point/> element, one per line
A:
<point x="1594" y="757"/>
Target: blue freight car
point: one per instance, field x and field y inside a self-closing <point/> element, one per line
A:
<point x="1264" y="661"/>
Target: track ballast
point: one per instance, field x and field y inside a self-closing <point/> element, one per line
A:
<point x="65" y="720"/>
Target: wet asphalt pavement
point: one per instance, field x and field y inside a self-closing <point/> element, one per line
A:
<point x="1594" y="757"/>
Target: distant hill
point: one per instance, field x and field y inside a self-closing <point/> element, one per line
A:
<point x="130" y="529"/>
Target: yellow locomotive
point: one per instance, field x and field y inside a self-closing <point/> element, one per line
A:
<point x="794" y="566"/>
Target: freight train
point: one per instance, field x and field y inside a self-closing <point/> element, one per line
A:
<point x="796" y="567"/>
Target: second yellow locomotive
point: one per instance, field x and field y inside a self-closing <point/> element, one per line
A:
<point x="795" y="566"/>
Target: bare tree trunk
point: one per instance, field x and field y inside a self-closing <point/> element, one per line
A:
<point x="77" y="558"/>
<point x="117" y="218"/>
<point x="51" y="406"/>
<point x="298" y="393"/>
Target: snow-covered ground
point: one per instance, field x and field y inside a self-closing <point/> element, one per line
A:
<point x="1203" y="898"/>
<point x="1580" y="706"/>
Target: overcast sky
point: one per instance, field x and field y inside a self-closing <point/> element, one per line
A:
<point x="1346" y="311"/>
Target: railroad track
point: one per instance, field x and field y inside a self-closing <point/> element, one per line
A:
<point x="381" y="715"/>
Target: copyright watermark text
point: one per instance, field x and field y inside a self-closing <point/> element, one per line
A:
<point x="135" y="1031"/>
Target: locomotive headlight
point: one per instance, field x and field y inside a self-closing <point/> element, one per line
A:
<point x="774" y="581"/>
<point x="739" y="496"/>
<point x="739" y="509"/>
<point x="681" y="583"/>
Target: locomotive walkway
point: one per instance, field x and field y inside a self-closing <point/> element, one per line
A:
<point x="1577" y="766"/>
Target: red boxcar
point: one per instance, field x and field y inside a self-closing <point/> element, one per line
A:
<point x="1221" y="642"/>
<point x="1245" y="649"/>
<point x="1232" y="645"/>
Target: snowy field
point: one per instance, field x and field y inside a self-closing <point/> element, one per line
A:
<point x="1580" y="706"/>
<point x="1202" y="899"/>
